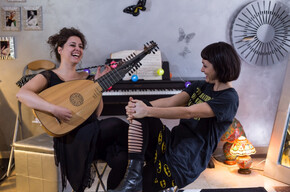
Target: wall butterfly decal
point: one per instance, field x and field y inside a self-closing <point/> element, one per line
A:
<point x="135" y="9"/>
<point x="183" y="36"/>
<point x="187" y="38"/>
<point x="184" y="52"/>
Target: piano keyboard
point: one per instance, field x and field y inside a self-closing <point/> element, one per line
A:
<point x="117" y="98"/>
<point x="142" y="92"/>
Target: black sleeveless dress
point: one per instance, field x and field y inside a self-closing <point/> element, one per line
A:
<point x="75" y="151"/>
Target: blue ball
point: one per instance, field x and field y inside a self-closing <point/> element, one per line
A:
<point x="134" y="78"/>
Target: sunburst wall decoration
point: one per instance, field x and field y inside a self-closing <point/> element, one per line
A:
<point x="260" y="32"/>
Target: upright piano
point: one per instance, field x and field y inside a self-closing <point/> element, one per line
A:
<point x="117" y="98"/>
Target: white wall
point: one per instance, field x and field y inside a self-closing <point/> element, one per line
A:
<point x="108" y="30"/>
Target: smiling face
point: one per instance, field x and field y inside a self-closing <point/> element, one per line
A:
<point x="72" y="50"/>
<point x="208" y="70"/>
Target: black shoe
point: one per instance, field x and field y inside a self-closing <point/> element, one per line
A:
<point x="132" y="181"/>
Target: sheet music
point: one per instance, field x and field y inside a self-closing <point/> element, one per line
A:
<point x="150" y="64"/>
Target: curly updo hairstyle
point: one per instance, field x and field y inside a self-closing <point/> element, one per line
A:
<point x="59" y="39"/>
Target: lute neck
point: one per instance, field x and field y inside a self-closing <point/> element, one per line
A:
<point x="131" y="63"/>
<point x="109" y="79"/>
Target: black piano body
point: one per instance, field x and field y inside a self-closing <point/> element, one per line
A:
<point x="117" y="98"/>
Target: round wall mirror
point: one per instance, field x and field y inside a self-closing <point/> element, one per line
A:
<point x="261" y="32"/>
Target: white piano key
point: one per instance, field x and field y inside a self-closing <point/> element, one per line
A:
<point x="142" y="92"/>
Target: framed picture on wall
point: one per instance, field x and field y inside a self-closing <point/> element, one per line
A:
<point x="32" y="18"/>
<point x="7" y="48"/>
<point x="10" y="18"/>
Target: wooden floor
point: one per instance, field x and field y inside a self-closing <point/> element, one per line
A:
<point x="222" y="176"/>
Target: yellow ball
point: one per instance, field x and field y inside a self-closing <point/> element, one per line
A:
<point x="160" y="72"/>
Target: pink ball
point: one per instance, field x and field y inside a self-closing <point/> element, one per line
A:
<point x="114" y="64"/>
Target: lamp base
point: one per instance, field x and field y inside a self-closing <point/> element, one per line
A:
<point x="230" y="162"/>
<point x="230" y="159"/>
<point x="244" y="163"/>
<point x="244" y="171"/>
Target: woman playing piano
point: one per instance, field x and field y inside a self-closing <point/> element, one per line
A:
<point x="94" y="139"/>
<point x="206" y="109"/>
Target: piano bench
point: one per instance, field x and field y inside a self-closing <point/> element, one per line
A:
<point x="35" y="165"/>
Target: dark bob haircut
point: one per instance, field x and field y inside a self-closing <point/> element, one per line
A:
<point x="59" y="39"/>
<point x="224" y="59"/>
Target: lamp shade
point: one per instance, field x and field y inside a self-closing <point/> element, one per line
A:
<point x="242" y="146"/>
<point x="234" y="131"/>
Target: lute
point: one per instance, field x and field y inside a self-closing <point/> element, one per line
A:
<point x="83" y="96"/>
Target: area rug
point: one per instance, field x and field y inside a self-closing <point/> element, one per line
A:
<point x="254" y="189"/>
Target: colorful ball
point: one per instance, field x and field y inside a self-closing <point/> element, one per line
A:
<point x="187" y="83"/>
<point x="160" y="71"/>
<point x="87" y="71"/>
<point x="134" y="78"/>
<point x="114" y="64"/>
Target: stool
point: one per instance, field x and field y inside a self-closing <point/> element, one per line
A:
<point x="100" y="174"/>
<point x="35" y="165"/>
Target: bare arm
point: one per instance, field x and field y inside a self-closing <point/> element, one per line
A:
<point x="175" y="110"/>
<point x="28" y="94"/>
<point x="179" y="99"/>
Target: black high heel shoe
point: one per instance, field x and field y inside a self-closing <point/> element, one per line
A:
<point x="132" y="181"/>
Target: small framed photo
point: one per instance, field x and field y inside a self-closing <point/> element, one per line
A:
<point x="7" y="48"/>
<point x="10" y="17"/>
<point x="32" y="18"/>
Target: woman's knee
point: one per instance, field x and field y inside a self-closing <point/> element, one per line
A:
<point x="113" y="122"/>
<point x="113" y="127"/>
